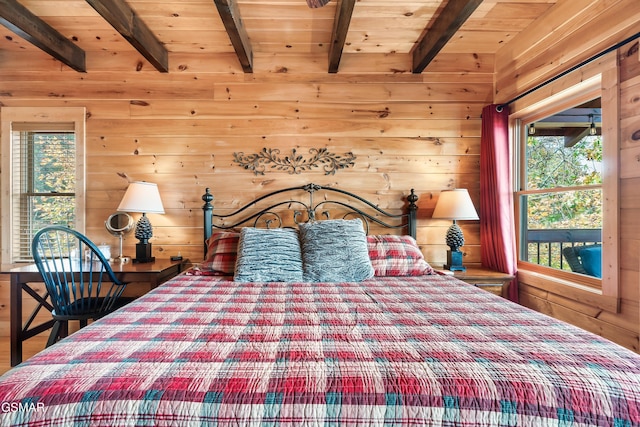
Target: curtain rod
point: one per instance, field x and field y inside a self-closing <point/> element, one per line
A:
<point x="564" y="73"/>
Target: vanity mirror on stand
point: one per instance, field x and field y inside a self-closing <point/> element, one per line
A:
<point x="118" y="224"/>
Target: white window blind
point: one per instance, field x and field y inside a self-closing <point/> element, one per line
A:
<point x="44" y="174"/>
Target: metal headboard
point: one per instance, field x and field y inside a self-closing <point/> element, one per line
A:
<point x="406" y="220"/>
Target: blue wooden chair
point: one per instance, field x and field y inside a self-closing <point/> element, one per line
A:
<point x="77" y="276"/>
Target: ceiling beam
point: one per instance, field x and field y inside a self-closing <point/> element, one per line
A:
<point x="575" y="115"/>
<point x="30" y="27"/>
<point x="316" y="3"/>
<point x="451" y="18"/>
<point x="230" y="14"/>
<point x="125" y="20"/>
<point x="573" y="136"/>
<point x="344" y="10"/>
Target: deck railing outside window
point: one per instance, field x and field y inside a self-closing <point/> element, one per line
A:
<point x="544" y="247"/>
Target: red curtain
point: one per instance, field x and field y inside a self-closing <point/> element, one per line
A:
<point x="497" y="226"/>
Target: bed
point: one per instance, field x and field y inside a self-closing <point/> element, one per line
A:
<point x="402" y="346"/>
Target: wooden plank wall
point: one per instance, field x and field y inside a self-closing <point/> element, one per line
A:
<point x="522" y="65"/>
<point x="180" y="130"/>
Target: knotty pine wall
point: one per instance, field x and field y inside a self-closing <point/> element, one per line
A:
<point x="562" y="44"/>
<point x="180" y="130"/>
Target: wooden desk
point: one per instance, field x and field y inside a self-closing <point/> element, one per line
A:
<point x="154" y="273"/>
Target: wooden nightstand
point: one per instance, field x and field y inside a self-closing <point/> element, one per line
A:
<point x="487" y="279"/>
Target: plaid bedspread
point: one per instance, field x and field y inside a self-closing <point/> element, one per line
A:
<point x="427" y="351"/>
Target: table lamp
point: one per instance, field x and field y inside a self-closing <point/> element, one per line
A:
<point x="142" y="197"/>
<point x="456" y="205"/>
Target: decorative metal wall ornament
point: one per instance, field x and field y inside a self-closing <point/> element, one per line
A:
<point x="294" y="163"/>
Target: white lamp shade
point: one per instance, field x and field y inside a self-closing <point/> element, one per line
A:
<point x="142" y="197"/>
<point x="455" y="204"/>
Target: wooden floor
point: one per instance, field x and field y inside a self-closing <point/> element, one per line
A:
<point x="29" y="348"/>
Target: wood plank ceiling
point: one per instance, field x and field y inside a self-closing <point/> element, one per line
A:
<point x="420" y="29"/>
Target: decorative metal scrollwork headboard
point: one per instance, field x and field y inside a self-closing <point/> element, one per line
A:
<point x="362" y="208"/>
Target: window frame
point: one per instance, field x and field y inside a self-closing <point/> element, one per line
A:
<point x="10" y="115"/>
<point x="599" y="79"/>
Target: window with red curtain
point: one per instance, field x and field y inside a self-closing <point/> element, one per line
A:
<point x="497" y="226"/>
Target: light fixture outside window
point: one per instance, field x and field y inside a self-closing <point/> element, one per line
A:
<point x="532" y="129"/>
<point x="592" y="127"/>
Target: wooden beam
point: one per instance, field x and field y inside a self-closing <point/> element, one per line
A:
<point x="344" y="10"/>
<point x="30" y="27"/>
<point x="125" y="20"/>
<point x="572" y="136"/>
<point x="316" y="3"/>
<point x="230" y="14"/>
<point x="455" y="13"/>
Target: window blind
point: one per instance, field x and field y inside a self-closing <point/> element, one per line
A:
<point x="43" y="159"/>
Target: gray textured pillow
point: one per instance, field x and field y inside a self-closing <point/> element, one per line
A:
<point x="335" y="251"/>
<point x="268" y="255"/>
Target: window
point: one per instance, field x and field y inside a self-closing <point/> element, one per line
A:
<point x="44" y="176"/>
<point x="561" y="190"/>
<point x="567" y="185"/>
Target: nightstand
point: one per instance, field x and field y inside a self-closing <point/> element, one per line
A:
<point x="487" y="279"/>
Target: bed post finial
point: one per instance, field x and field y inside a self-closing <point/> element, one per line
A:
<point x="207" y="196"/>
<point x="413" y="214"/>
<point x="207" y="208"/>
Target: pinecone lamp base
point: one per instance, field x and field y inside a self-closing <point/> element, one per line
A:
<point x="454" y="261"/>
<point x="143" y="253"/>
<point x="144" y="232"/>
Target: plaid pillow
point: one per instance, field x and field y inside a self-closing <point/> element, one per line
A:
<point x="222" y="251"/>
<point x="397" y="256"/>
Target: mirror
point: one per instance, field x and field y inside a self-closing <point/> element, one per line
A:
<point x="119" y="224"/>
